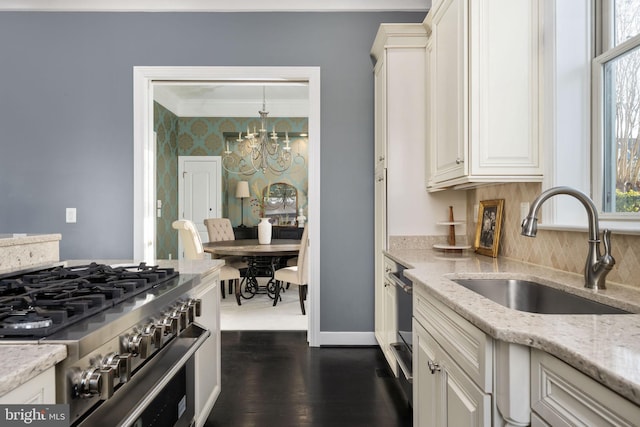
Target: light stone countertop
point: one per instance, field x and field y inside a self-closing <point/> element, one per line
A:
<point x="605" y="347"/>
<point x="23" y="238"/>
<point x="21" y="362"/>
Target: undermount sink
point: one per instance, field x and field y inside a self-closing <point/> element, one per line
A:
<point x="525" y="295"/>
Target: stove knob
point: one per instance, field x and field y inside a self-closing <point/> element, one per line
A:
<point x="90" y="382"/>
<point x="170" y="325"/>
<point x="158" y="334"/>
<point x="187" y="312"/>
<point x="180" y="319"/>
<point x="96" y="381"/>
<point x="153" y="333"/>
<point x="197" y="305"/>
<point x="139" y="344"/>
<point x="121" y="364"/>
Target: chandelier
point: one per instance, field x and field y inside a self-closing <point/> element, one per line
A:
<point x="258" y="150"/>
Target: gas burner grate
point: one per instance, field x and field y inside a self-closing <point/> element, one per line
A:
<point x="41" y="303"/>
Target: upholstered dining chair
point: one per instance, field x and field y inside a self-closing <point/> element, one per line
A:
<point x="296" y="275"/>
<point x="193" y="250"/>
<point x="219" y="230"/>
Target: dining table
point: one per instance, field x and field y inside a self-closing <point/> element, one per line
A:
<point x="262" y="261"/>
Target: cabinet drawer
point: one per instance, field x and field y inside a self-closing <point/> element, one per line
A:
<point x="471" y="348"/>
<point x="563" y="396"/>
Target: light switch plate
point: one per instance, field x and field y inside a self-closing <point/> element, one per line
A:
<point x="70" y="215"/>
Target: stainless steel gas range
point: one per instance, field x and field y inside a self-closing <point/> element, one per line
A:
<point x="132" y="332"/>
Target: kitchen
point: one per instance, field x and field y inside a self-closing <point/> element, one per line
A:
<point x="67" y="111"/>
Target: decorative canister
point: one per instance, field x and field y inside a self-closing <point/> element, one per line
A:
<point x="264" y="231"/>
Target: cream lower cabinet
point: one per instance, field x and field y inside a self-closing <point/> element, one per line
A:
<point x="483" y="92"/>
<point x="461" y="376"/>
<point x="207" y="358"/>
<point x="563" y="396"/>
<point x="385" y="317"/>
<point x="452" y="368"/>
<point x="40" y="389"/>
<point x="443" y="394"/>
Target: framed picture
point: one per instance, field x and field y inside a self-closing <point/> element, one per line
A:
<point x="488" y="228"/>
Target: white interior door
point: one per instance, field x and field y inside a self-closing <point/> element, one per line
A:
<point x="199" y="191"/>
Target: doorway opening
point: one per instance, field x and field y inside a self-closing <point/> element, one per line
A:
<point x="146" y="78"/>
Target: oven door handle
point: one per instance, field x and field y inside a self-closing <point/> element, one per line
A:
<point x="399" y="349"/>
<point x="123" y="409"/>
<point x="398" y="282"/>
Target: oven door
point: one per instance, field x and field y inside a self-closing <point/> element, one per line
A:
<point x="161" y="393"/>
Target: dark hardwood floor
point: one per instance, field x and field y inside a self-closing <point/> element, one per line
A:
<point x="273" y="379"/>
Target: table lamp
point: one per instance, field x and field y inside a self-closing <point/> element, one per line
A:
<point x="242" y="192"/>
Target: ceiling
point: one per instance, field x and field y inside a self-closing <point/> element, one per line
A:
<point x="241" y="99"/>
<point x="218" y="5"/>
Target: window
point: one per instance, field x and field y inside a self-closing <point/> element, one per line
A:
<point x="616" y="101"/>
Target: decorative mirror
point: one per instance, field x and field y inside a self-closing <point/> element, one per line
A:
<point x="281" y="206"/>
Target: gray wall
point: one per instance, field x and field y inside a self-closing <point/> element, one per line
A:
<point x="66" y="124"/>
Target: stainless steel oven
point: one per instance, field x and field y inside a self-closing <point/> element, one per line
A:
<point x="131" y="333"/>
<point x="402" y="348"/>
<point x="162" y="394"/>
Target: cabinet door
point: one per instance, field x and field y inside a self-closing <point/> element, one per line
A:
<point x="207" y="358"/>
<point x="294" y="233"/>
<point x="466" y="404"/>
<point x="427" y="403"/>
<point x="564" y="396"/>
<point x="380" y="238"/>
<point x="448" y="88"/>
<point x="504" y="88"/>
<point x="380" y="113"/>
<point x="390" y="324"/>
<point x="40" y="389"/>
<point x="242" y="233"/>
<point x="443" y="394"/>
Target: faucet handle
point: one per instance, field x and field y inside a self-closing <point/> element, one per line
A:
<point x="607" y="259"/>
<point x="606" y="240"/>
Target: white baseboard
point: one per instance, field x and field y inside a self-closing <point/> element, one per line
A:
<point x="347" y="338"/>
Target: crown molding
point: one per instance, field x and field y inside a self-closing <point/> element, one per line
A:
<point x="214" y="5"/>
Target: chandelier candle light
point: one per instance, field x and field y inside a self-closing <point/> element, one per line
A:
<point x="258" y="151"/>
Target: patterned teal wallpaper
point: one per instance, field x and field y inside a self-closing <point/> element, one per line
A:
<point x="166" y="127"/>
<point x="203" y="136"/>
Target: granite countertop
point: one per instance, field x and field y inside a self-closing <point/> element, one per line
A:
<point x="20" y="363"/>
<point x="605" y="347"/>
<point x="23" y="238"/>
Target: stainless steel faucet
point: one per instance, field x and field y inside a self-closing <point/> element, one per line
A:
<point x="597" y="266"/>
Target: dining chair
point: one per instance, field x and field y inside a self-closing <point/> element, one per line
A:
<point x="295" y="275"/>
<point x="220" y="230"/>
<point x="193" y="249"/>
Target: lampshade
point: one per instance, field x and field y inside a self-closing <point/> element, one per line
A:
<point x="242" y="189"/>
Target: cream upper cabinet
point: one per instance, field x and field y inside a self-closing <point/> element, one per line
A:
<point x="483" y="92"/>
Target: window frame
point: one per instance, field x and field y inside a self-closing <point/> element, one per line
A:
<point x="605" y="51"/>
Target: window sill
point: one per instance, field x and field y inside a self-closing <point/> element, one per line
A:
<point x="616" y="227"/>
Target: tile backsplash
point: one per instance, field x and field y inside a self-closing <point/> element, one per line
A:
<point x="562" y="250"/>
